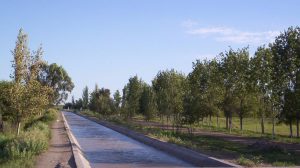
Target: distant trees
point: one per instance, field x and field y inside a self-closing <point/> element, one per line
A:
<point x="85" y="98"/>
<point x="117" y="101"/>
<point x="266" y="85"/>
<point x="101" y="102"/>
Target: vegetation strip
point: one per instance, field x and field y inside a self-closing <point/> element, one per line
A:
<point x="185" y="154"/>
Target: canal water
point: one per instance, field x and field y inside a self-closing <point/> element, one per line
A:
<point x="104" y="147"/>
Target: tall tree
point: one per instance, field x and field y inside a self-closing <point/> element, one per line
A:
<point x="135" y="86"/>
<point x="261" y="71"/>
<point x="286" y="51"/>
<point x="117" y="100"/>
<point x="27" y="96"/>
<point x="170" y="89"/>
<point x="57" y="78"/>
<point x="148" y="103"/>
<point x="85" y="97"/>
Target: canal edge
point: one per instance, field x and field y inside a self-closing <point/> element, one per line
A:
<point x="80" y="159"/>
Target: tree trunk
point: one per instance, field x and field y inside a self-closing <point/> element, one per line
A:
<point x="241" y="115"/>
<point x="217" y="121"/>
<point x="230" y="124"/>
<point x="291" y="128"/>
<point x="167" y="122"/>
<point x="297" y="127"/>
<point x="273" y="127"/>
<point x="241" y="123"/>
<point x="262" y="123"/>
<point x="18" y="128"/>
<point x="1" y="123"/>
<point x="209" y="120"/>
<point x="226" y="122"/>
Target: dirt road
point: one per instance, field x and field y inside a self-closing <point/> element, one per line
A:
<point x="59" y="154"/>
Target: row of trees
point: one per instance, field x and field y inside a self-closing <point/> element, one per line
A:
<point x="266" y="85"/>
<point x="35" y="85"/>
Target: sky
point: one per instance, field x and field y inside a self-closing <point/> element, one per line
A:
<point x="108" y="41"/>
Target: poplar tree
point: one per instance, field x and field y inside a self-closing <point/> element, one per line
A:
<point x="85" y="97"/>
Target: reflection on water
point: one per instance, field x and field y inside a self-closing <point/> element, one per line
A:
<point x="104" y="147"/>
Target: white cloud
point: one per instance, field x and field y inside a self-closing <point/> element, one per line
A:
<point x="226" y="34"/>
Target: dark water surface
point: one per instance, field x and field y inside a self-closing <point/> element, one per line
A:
<point x="104" y="147"/>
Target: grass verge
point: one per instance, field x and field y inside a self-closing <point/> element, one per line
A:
<point x="20" y="151"/>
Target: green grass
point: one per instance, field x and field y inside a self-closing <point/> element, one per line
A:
<point x="20" y="151"/>
<point x="216" y="146"/>
<point x="251" y="128"/>
<point x="253" y="125"/>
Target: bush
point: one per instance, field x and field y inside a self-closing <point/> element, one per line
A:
<point x="31" y="142"/>
<point x="245" y="162"/>
<point x="50" y="115"/>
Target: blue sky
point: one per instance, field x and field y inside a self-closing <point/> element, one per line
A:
<point x="107" y="41"/>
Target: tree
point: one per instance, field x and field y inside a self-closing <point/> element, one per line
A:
<point x="206" y="90"/>
<point x="242" y="87"/>
<point x="78" y="104"/>
<point x="135" y="86"/>
<point x="261" y="76"/>
<point x="5" y="87"/>
<point x="117" y="100"/>
<point x="57" y="78"/>
<point x="297" y="102"/>
<point x="148" y="103"/>
<point x="169" y="88"/>
<point x="85" y="98"/>
<point x="27" y="96"/>
<point x="94" y="99"/>
<point x="286" y="51"/>
<point x="289" y="110"/>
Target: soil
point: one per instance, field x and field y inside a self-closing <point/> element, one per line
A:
<point x="59" y="154"/>
<point x="294" y="147"/>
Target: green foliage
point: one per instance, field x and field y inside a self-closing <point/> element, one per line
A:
<point x="245" y="161"/>
<point x="85" y="98"/>
<point x="169" y="86"/>
<point x="117" y="100"/>
<point x="132" y="94"/>
<point x="57" y="78"/>
<point x="101" y="102"/>
<point x="148" y="103"/>
<point x="18" y="151"/>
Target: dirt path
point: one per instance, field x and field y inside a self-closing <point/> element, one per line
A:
<point x="59" y="154"/>
<point x="256" y="142"/>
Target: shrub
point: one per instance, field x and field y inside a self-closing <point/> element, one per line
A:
<point x="50" y="115"/>
<point x="245" y="162"/>
<point x="29" y="143"/>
